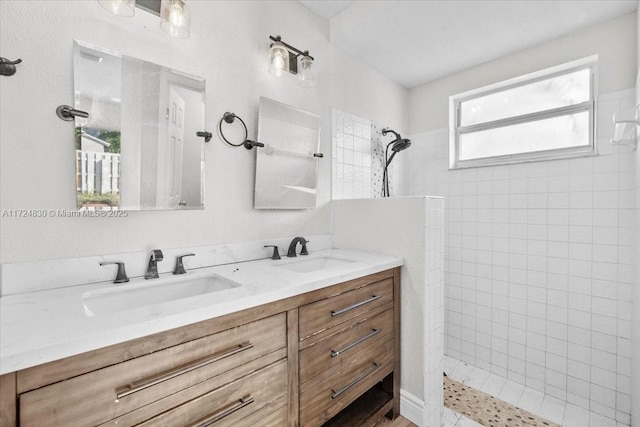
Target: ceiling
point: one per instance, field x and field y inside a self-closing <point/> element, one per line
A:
<point x="416" y="41"/>
<point x="327" y="8"/>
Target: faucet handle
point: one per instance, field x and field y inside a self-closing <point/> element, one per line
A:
<point x="179" y="268"/>
<point x="121" y="275"/>
<point x="304" y="251"/>
<point x="276" y="254"/>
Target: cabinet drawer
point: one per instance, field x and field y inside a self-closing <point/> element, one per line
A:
<point x="363" y="336"/>
<point x="273" y="415"/>
<point x="228" y="405"/>
<point x="327" y="394"/>
<point x="330" y="312"/>
<point x="107" y="393"/>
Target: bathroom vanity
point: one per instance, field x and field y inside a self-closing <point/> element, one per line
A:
<point x="325" y="354"/>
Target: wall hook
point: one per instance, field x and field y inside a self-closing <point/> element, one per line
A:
<point x="626" y="125"/>
<point x="7" y="67"/>
<point x="206" y="135"/>
<point x="66" y="113"/>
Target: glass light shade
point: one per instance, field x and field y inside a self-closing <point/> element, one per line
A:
<point x="175" y="18"/>
<point x="307" y="75"/>
<point x="278" y="59"/>
<point x="119" y="7"/>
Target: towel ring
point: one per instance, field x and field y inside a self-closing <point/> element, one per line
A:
<point x="246" y="142"/>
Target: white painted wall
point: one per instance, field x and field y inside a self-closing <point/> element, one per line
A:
<point x="411" y="228"/>
<point x="635" y="396"/>
<point x="614" y="42"/>
<point x="539" y="272"/>
<point x="228" y="47"/>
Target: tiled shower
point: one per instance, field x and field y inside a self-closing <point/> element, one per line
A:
<point x="539" y="265"/>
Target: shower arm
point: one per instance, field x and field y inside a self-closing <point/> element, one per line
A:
<point x="386" y="131"/>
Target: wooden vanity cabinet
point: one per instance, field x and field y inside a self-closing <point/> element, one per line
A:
<point x="8" y="417"/>
<point x="328" y="356"/>
<point x="348" y="350"/>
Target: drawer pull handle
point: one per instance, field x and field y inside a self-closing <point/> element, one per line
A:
<point x="362" y="376"/>
<point x="245" y="401"/>
<point x="335" y="313"/>
<point x="335" y="353"/>
<point x="149" y="382"/>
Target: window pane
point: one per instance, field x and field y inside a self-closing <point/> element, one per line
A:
<point x="548" y="134"/>
<point x="559" y="91"/>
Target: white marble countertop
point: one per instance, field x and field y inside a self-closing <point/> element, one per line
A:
<point x="40" y="327"/>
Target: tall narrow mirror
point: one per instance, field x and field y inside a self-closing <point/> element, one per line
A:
<point x="138" y="149"/>
<point x="287" y="166"/>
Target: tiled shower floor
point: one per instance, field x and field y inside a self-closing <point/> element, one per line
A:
<point x="534" y="401"/>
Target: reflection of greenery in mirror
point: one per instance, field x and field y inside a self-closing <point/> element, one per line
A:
<point x="138" y="149"/>
<point x="111" y="137"/>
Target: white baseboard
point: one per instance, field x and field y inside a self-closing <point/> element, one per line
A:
<point x="411" y="408"/>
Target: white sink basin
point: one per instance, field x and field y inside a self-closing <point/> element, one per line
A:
<point x="314" y="264"/>
<point x="154" y="291"/>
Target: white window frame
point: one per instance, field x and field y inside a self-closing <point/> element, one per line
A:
<point x="455" y="130"/>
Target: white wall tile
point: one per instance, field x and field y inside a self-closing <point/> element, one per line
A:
<point x="351" y="156"/>
<point x="553" y="271"/>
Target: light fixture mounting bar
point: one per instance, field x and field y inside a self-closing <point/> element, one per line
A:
<point x="295" y="50"/>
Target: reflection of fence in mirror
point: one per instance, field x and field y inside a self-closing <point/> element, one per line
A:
<point x="286" y="170"/>
<point x="155" y="112"/>
<point x="97" y="137"/>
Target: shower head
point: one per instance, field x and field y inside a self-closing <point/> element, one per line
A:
<point x="397" y="145"/>
<point x="401" y="144"/>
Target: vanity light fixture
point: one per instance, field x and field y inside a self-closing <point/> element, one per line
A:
<point x="284" y="57"/>
<point x="307" y="75"/>
<point x="119" y="7"/>
<point x="175" y="18"/>
<point x="175" y="15"/>
<point x="278" y="59"/>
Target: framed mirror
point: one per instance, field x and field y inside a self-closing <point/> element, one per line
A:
<point x="287" y="166"/>
<point x="138" y="149"/>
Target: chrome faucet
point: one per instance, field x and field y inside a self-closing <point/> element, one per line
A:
<point x="292" y="247"/>
<point x="179" y="268"/>
<point x="152" y="267"/>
